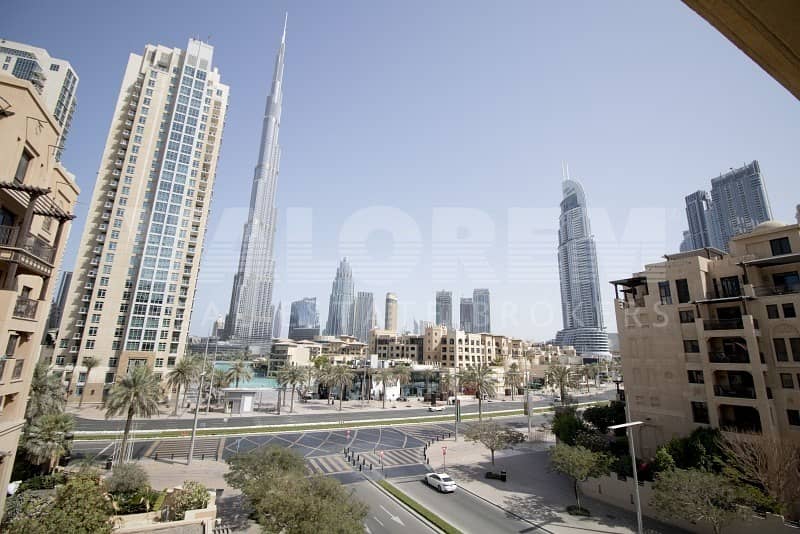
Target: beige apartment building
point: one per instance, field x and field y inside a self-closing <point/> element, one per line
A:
<point x="713" y="339"/>
<point x="389" y="345"/>
<point x="447" y="347"/>
<point x="37" y="196"/>
<point x="134" y="279"/>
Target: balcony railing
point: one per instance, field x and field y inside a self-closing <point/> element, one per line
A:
<point x="723" y="324"/>
<point x="8" y="235"/>
<point x="737" y="392"/>
<point x="768" y="291"/>
<point x="728" y="357"/>
<point x="40" y="248"/>
<point x="25" y="308"/>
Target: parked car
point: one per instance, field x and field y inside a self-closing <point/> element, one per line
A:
<point x="437" y="408"/>
<point x="441" y="482"/>
<point x="402" y="399"/>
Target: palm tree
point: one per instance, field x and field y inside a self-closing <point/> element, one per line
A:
<point x="90" y="362"/>
<point x="446" y="381"/>
<point x="291" y="375"/>
<point x="46" y="394"/>
<point x="239" y="370"/>
<point x="384" y="375"/>
<point x="181" y="376"/>
<point x="339" y="376"/>
<point x="47" y="439"/>
<point x="428" y="374"/>
<point x="513" y="378"/>
<point x="219" y="380"/>
<point x="559" y="376"/>
<point x="482" y="381"/>
<point x="135" y="395"/>
<point x="402" y="374"/>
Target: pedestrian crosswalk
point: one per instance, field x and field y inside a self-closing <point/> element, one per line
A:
<point x="395" y="457"/>
<point x="338" y="463"/>
<point x="329" y="465"/>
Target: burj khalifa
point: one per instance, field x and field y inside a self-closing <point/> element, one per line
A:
<point x="250" y="315"/>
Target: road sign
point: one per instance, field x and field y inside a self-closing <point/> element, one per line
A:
<point x="381" y="453"/>
<point x="444" y="451"/>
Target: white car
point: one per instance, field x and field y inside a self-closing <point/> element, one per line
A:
<point x="441" y="482"/>
<point x="437" y="408"/>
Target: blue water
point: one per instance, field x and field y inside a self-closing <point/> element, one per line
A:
<point x="258" y="380"/>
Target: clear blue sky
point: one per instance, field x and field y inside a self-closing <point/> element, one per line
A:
<point x="399" y="114"/>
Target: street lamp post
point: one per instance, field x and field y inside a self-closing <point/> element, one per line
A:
<point x="197" y="406"/>
<point x="629" y="430"/>
<point x="213" y="366"/>
<point x="457" y="406"/>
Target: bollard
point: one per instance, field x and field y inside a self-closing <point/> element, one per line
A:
<point x="156" y="457"/>
<point x="370" y="467"/>
<point x="359" y="467"/>
<point x="172" y="456"/>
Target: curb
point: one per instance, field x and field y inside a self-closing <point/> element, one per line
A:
<point x="404" y="506"/>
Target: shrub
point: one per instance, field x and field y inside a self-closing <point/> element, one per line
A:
<point x="602" y="417"/>
<point x="40" y="482"/>
<point x="23" y="504"/>
<point x="566" y="426"/>
<point x="127" y="479"/>
<point x="592" y="440"/>
<point x="663" y="460"/>
<point x="192" y="496"/>
<point x="136" y="502"/>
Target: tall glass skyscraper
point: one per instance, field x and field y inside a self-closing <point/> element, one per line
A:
<point x="444" y="308"/>
<point x="364" y="318"/>
<point x="482" y="311"/>
<point x="340" y="307"/>
<point x="465" y="312"/>
<point x="580" y="284"/>
<point x="304" y="319"/>
<point x="250" y="316"/>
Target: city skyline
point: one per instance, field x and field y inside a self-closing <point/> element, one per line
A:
<point x="521" y="161"/>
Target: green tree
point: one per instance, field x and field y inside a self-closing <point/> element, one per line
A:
<point x="481" y="379"/>
<point x="513" y="378"/>
<point x="567" y="425"/>
<point x="561" y="377"/>
<point x="219" y="380"/>
<point x="90" y="362"/>
<point x="293" y="376"/>
<point x="580" y="464"/>
<point x="192" y="496"/>
<point x="80" y="506"/>
<point x="46" y="439"/>
<point x="136" y="395"/>
<point x="663" y="460"/>
<point x="401" y="374"/>
<point x="696" y="496"/>
<point x="602" y="417"/>
<point x="385" y="376"/>
<point x="239" y="370"/>
<point x="263" y="467"/>
<point x="127" y="478"/>
<point x="339" y="376"/>
<point x="46" y="394"/>
<point x="493" y="436"/>
<point x="181" y="376"/>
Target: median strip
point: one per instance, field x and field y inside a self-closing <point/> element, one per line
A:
<point x="437" y="521"/>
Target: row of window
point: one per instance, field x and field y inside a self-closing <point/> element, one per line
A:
<point x="788" y="311"/>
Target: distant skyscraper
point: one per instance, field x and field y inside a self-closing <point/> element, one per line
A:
<point x="686" y="242"/>
<point x="465" y="313"/>
<point x="218" y="328"/>
<point x="277" y="321"/>
<point x="737" y="203"/>
<point x="304" y="319"/>
<point x="340" y="307"/>
<point x="482" y="320"/>
<point x="580" y="285"/>
<point x="444" y="308"/>
<point x="364" y="318"/>
<point x="390" y="319"/>
<point x="60" y="300"/>
<point x="250" y="314"/>
<point x="139" y="255"/>
<point x="53" y="78"/>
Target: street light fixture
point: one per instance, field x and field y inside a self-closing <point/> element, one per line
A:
<point x="629" y="430"/>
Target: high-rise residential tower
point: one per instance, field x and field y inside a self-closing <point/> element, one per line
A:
<point x="465" y="314"/>
<point x="54" y="79"/>
<point x="444" y="308"/>
<point x="250" y="314"/>
<point x="340" y="307"/>
<point x="481" y="309"/>
<point x="390" y="316"/>
<point x="580" y="285"/>
<point x="364" y="318"/>
<point x="304" y="319"/>
<point x="134" y="279"/>
<point x="60" y="300"/>
<point x="737" y="203"/>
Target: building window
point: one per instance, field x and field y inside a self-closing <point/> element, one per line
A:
<point x="109" y="378"/>
<point x="794" y="417"/>
<point x="700" y="412"/>
<point x="682" y="286"/>
<point x="691" y="345"/>
<point x="686" y="316"/>
<point x="22" y="166"/>
<point x="788" y="310"/>
<point x="113" y="362"/>
<point x="54" y="67"/>
<point x="664" y="292"/>
<point x="787" y="382"/>
<point x="772" y="311"/>
<point x="695" y="377"/>
<point x="17" y="373"/>
<point x="780" y="246"/>
<point x="730" y="286"/>
<point x="780" y="349"/>
<point x="794" y="342"/>
<point x="11" y="346"/>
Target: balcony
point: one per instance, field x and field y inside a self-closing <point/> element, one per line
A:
<point x="25" y="308"/>
<point x="769" y="291"/>
<point x="723" y="324"/>
<point x="728" y="357"/>
<point x="739" y="392"/>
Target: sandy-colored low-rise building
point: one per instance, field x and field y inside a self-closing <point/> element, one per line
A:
<point x="37" y="196"/>
<point x="713" y="339"/>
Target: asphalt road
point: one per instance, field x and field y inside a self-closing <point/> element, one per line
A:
<point x="385" y="514"/>
<point x="463" y="510"/>
<point x="89" y="425"/>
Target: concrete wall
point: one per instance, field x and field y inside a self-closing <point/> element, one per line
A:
<point x="617" y="492"/>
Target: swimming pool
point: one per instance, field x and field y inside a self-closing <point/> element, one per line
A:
<point x="258" y="380"/>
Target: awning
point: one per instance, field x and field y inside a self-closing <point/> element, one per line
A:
<point x="44" y="204"/>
